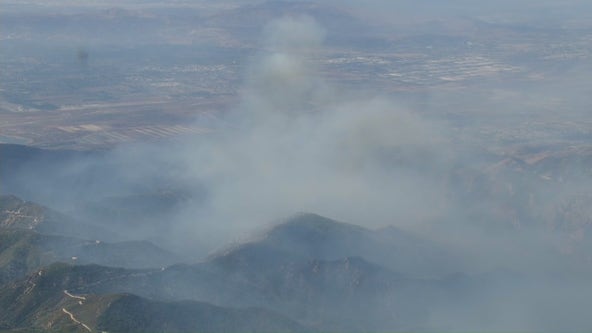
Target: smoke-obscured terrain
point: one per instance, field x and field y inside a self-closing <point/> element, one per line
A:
<point x="295" y="166"/>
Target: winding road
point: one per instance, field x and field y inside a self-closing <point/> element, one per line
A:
<point x="80" y="301"/>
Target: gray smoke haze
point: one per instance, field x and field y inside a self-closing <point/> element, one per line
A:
<point x="302" y="145"/>
<point x="296" y="143"/>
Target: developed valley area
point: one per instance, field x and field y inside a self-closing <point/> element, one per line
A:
<point x="295" y="166"/>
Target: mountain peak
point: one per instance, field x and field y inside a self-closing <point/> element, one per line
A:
<point x="312" y="224"/>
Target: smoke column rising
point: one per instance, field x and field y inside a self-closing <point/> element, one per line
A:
<point x="301" y="145"/>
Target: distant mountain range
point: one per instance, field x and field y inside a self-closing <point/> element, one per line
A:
<point x="60" y="272"/>
<point x="19" y="214"/>
<point x="309" y="269"/>
<point x="32" y="236"/>
<point x="43" y="302"/>
<point x="309" y="273"/>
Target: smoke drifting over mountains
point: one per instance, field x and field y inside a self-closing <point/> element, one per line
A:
<point x="294" y="143"/>
<point x="297" y="143"/>
<point x="301" y="145"/>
